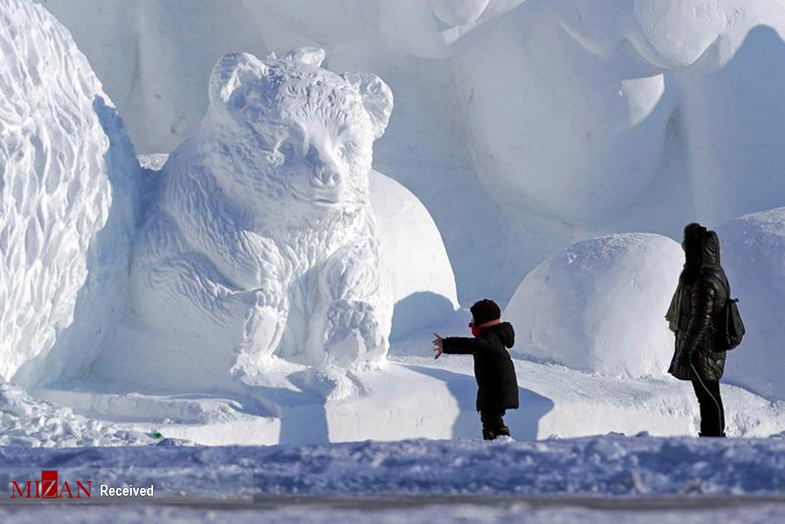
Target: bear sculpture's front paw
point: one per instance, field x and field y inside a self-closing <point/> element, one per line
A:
<point x="264" y="324"/>
<point x="352" y="332"/>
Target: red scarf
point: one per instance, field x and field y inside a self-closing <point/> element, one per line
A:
<point x="477" y="330"/>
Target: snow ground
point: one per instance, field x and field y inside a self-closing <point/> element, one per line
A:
<point x="640" y="479"/>
<point x="27" y="421"/>
<point x="412" y="396"/>
<point x="426" y="514"/>
<point x="595" y="466"/>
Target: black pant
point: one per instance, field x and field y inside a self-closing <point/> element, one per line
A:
<point x="493" y="424"/>
<point x="712" y="412"/>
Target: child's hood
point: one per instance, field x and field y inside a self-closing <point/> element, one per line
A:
<point x="505" y="333"/>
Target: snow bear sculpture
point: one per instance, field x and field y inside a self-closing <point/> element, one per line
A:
<point x="263" y="243"/>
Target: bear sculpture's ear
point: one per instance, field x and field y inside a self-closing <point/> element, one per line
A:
<point x="307" y="55"/>
<point x="232" y="76"/>
<point x="377" y="99"/>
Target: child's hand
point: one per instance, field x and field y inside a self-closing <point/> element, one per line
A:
<point x="438" y="342"/>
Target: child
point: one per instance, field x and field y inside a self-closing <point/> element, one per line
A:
<point x="493" y="368"/>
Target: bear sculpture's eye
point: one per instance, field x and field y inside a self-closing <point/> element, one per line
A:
<point x="343" y="152"/>
<point x="287" y="148"/>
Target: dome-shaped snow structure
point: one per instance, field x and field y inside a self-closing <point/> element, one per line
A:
<point x="599" y="305"/>
<point x="414" y="257"/>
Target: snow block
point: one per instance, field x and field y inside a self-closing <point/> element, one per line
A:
<point x="67" y="194"/>
<point x="263" y="243"/>
<point x="599" y="306"/>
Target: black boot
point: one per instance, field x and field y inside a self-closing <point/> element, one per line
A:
<point x="487" y="434"/>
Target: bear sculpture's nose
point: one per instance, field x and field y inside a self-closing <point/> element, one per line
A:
<point x="325" y="171"/>
<point x="326" y="177"/>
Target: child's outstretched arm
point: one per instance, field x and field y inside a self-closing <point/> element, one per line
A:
<point x="454" y="345"/>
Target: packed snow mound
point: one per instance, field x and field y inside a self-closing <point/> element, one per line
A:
<point x="262" y="243"/>
<point x="414" y="257"/>
<point x="31" y="422"/>
<point x="753" y="255"/>
<point x="599" y="305"/>
<point x="67" y="189"/>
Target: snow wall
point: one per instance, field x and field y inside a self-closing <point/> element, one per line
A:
<point x="67" y="192"/>
<point x="516" y="121"/>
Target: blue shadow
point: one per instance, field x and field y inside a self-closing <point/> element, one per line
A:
<point x="523" y="422"/>
<point x="417" y="311"/>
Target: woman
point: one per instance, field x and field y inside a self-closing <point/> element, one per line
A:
<point x="700" y="296"/>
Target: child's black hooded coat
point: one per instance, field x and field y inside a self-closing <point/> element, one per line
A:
<point x="493" y="367"/>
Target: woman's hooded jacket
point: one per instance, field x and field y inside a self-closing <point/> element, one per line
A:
<point x="700" y="296"/>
